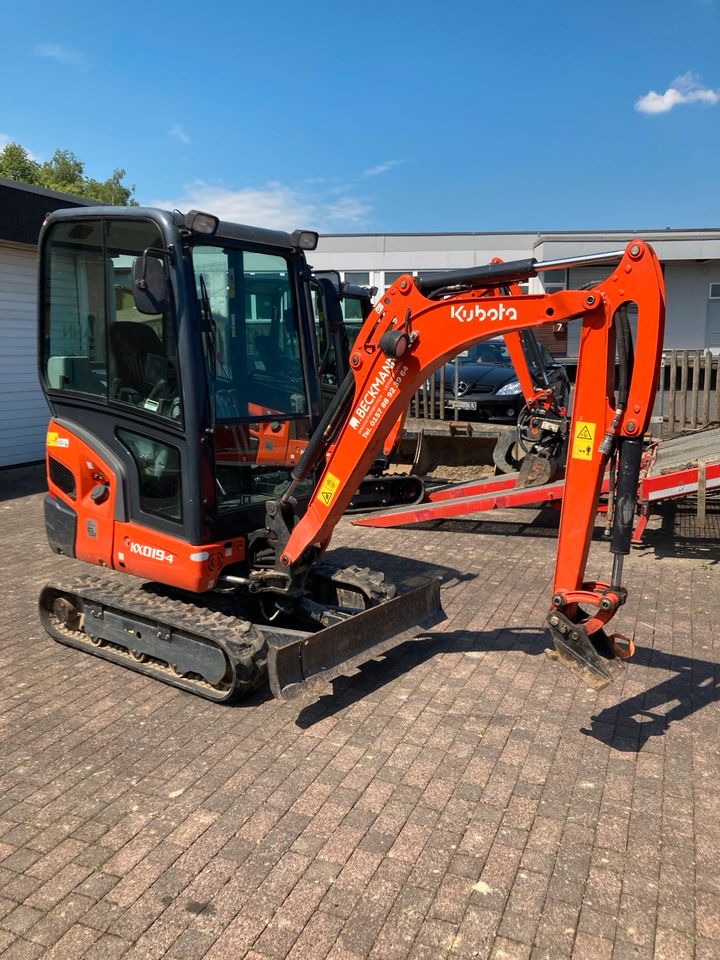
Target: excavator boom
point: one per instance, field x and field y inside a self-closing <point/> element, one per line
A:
<point x="410" y="334"/>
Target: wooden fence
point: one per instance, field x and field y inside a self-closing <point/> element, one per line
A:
<point x="689" y="392"/>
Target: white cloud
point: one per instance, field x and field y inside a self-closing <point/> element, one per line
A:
<point x="382" y="167"/>
<point x="684" y="89"/>
<point x="56" y="51"/>
<point x="275" y="205"/>
<point x="178" y="132"/>
<point x="5" y="140"/>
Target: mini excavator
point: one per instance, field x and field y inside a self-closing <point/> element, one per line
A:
<point x="189" y="447"/>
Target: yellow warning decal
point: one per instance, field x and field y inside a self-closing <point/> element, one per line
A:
<point x="328" y="488"/>
<point x="584" y="440"/>
<point x="52" y="439"/>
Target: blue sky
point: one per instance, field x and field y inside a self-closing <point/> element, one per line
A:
<point x="392" y="116"/>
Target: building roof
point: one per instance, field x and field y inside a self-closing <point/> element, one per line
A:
<point x="402" y="251"/>
<point x="710" y="232"/>
<point x="23" y="207"/>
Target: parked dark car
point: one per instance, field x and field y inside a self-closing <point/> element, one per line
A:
<point x="488" y="387"/>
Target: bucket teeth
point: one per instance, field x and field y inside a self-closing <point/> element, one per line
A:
<point x="588" y="656"/>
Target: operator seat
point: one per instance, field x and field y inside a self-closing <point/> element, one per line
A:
<point x="137" y="359"/>
<point x="264" y="349"/>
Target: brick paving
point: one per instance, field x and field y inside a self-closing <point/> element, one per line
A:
<point x="462" y="798"/>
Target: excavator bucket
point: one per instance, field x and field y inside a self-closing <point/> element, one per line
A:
<point x="297" y="664"/>
<point x="590" y="657"/>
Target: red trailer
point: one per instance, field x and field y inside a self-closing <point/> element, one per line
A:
<point x="679" y="467"/>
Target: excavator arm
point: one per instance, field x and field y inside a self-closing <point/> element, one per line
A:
<point x="418" y="325"/>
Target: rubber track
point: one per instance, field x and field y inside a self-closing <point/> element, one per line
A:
<point x="240" y="640"/>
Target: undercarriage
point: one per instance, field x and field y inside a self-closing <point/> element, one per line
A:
<point x="223" y="645"/>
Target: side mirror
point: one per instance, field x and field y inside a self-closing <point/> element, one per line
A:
<point x="333" y="276"/>
<point x="151" y="290"/>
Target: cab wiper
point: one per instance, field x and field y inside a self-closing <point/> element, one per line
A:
<point x="207" y="316"/>
<point x="209" y="341"/>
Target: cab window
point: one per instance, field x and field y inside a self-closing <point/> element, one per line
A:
<point x="95" y="341"/>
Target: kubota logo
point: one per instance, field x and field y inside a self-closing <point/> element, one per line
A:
<point x="466" y="313"/>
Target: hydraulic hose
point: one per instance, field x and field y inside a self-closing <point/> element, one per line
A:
<point x="621" y="341"/>
<point x="626" y="361"/>
<point x="630" y="455"/>
<point x="322" y="436"/>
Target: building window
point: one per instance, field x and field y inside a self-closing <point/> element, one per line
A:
<point x="391" y="276"/>
<point x="715" y="291"/>
<point x="360" y="277"/>
<point x="554" y="280"/>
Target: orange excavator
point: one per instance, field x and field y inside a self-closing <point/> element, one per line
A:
<point x="189" y="448"/>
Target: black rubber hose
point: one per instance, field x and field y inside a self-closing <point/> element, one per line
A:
<point x="325" y="430"/>
<point x="621" y="342"/>
<point x="626" y="354"/>
<point x="630" y="455"/>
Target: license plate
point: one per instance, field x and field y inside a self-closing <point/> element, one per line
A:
<point x="461" y="404"/>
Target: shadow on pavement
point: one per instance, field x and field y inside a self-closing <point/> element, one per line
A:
<point x="376" y="674"/>
<point x="680" y="534"/>
<point x="628" y="725"/>
<point x="404" y="572"/>
<point x="22" y="481"/>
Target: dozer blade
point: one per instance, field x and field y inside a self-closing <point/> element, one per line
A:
<point x="589" y="657"/>
<point x="299" y="664"/>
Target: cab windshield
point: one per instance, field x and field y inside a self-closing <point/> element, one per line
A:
<point x="249" y="316"/>
<point x="248" y="302"/>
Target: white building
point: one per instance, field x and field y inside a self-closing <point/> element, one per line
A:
<point x="23" y="412"/>
<point x="690" y="260"/>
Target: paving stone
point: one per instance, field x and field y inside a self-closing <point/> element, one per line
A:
<point x="460" y="797"/>
<point x="21" y="920"/>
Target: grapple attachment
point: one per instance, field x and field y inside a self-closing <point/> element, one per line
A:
<point x="300" y="663"/>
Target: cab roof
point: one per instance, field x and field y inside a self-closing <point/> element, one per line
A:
<point x="173" y="220"/>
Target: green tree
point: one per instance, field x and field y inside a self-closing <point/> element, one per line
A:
<point x="15" y="164"/>
<point x="64" y="173"/>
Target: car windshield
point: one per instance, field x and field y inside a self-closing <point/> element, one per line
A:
<point x="496" y="353"/>
<point x="490" y="351"/>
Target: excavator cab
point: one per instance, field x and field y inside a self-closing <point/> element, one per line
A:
<point x="187" y="355"/>
<point x="339" y="308"/>
<point x="179" y="357"/>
